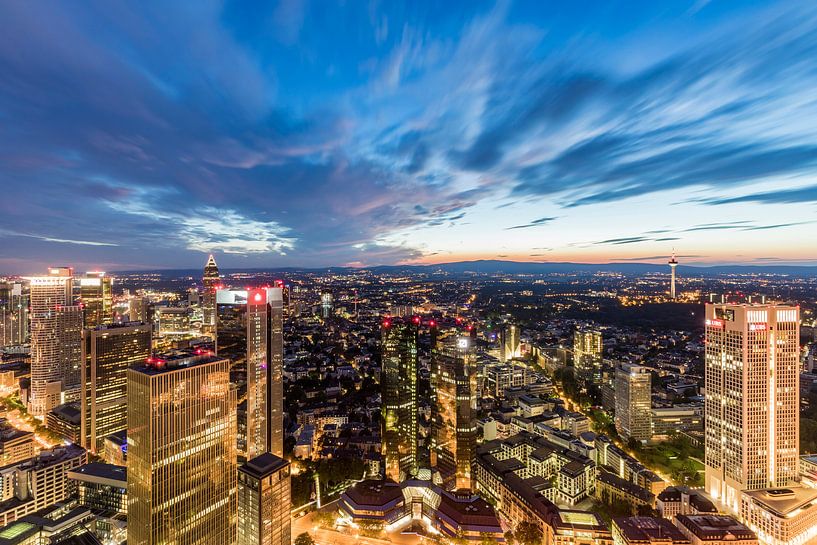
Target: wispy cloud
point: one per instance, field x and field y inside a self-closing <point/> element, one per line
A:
<point x="535" y="223"/>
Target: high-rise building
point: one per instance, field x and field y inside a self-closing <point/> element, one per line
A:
<point x="326" y="304"/>
<point x="96" y="296"/>
<point x="211" y="283"/>
<point x="138" y="309"/>
<point x="587" y="355"/>
<point x="398" y="381"/>
<point x="14" y="301"/>
<point x="752" y="397"/>
<point x="264" y="501"/>
<point x="182" y="467"/>
<point x="633" y="402"/>
<point x="509" y="343"/>
<point x="107" y="353"/>
<point x="454" y="408"/>
<point x="56" y="338"/>
<point x="250" y="332"/>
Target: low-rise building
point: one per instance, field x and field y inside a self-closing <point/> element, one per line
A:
<point x="781" y="516"/>
<point x="646" y="531"/>
<point x="15" y="445"/>
<point x="611" y="489"/>
<point x="681" y="500"/>
<point x="66" y="421"/>
<point x="39" y="482"/>
<point x="712" y="529"/>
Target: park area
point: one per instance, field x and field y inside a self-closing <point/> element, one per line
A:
<point x="677" y="458"/>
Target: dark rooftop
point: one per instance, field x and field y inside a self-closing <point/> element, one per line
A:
<point x="263" y="465"/>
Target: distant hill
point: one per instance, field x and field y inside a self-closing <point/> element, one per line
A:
<point x="522" y="267"/>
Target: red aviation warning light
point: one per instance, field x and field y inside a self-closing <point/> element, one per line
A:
<point x="416" y="320"/>
<point x="257" y="296"/>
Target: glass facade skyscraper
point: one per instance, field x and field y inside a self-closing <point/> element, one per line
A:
<point x="398" y="380"/>
<point x="107" y="353"/>
<point x="264" y="501"/>
<point x="181" y="451"/>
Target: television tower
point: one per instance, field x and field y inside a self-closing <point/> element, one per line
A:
<point x="672" y="264"/>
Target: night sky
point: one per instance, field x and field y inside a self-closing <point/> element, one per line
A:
<point x="143" y="135"/>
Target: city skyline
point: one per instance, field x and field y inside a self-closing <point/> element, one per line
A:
<point x="313" y="134"/>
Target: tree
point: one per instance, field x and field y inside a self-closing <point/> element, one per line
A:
<point x="528" y="533"/>
<point x="304" y="539"/>
<point x="487" y="538"/>
<point x="510" y="539"/>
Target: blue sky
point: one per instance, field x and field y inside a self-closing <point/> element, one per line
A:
<point x="145" y="135"/>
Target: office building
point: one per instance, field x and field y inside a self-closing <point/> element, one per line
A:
<point x="509" y="344"/>
<point x="66" y="421"/>
<point x="14" y="301"/>
<point x="587" y="355"/>
<point x="96" y="296"/>
<point x="454" y="405"/>
<point x="56" y="338"/>
<point x="39" y="482"/>
<point x="249" y="332"/>
<point x="781" y="516"/>
<point x="398" y="380"/>
<point x="174" y="321"/>
<point x="107" y="353"/>
<point x="15" y="445"/>
<point x="138" y="309"/>
<point x="102" y="488"/>
<point x="751" y="403"/>
<point x="211" y="282"/>
<point x="634" y="402"/>
<point x="327" y="302"/>
<point x="181" y="451"/>
<point x="264" y="501"/>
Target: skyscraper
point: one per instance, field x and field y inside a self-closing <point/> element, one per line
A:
<point x="107" y="353"/>
<point x="752" y="398"/>
<point x="96" y="296"/>
<point x="264" y="501"/>
<point x="250" y="332"/>
<point x="182" y="469"/>
<point x="56" y="338"/>
<point x="14" y="301"/>
<point x="454" y="430"/>
<point x="633" y="402"/>
<point x="398" y="381"/>
<point x="587" y="355"/>
<point x="326" y="304"/>
<point x="211" y="282"/>
<point x="509" y="343"/>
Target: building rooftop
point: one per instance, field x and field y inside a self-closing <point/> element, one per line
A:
<point x="715" y="527"/>
<point x="69" y="412"/>
<point x="264" y="465"/>
<point x="649" y="530"/>
<point x="53" y="456"/>
<point x="625" y="485"/>
<point x="177" y="359"/>
<point x="374" y="493"/>
<point x="783" y="501"/>
<point x="101" y="473"/>
<point x="578" y="520"/>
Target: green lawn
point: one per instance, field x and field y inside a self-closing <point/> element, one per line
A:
<point x="675" y="458"/>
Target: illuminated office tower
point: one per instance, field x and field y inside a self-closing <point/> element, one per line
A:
<point x="264" y="501"/>
<point x="454" y="430"/>
<point x="751" y="403"/>
<point x="211" y="282"/>
<point x="250" y="332"/>
<point x="107" y="353"/>
<point x="14" y="301"/>
<point x="138" y="309"/>
<point x="398" y="382"/>
<point x="326" y="304"/>
<point x="509" y="343"/>
<point x="56" y="339"/>
<point x="633" y="385"/>
<point x="96" y="296"/>
<point x="182" y="469"/>
<point x="587" y="355"/>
